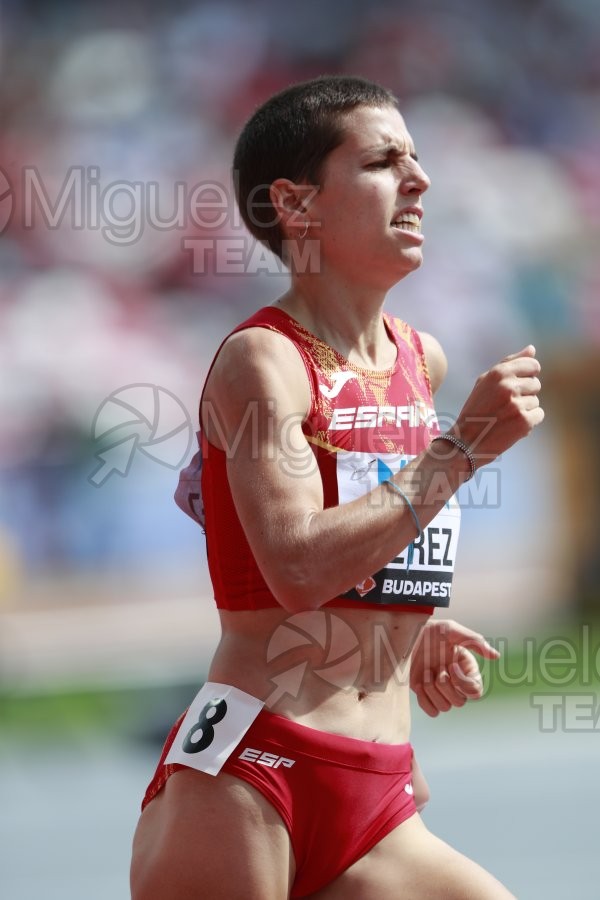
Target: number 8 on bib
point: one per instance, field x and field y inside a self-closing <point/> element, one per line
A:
<point x="216" y="721"/>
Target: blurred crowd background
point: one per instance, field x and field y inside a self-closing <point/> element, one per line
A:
<point x="123" y="262"/>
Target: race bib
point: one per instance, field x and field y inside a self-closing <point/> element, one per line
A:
<point x="215" y="723"/>
<point x="422" y="573"/>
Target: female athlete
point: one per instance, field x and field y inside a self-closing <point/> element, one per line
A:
<point x="331" y="524"/>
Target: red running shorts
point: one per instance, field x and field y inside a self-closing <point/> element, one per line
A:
<point x="338" y="796"/>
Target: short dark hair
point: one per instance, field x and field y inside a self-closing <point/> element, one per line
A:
<point x="290" y="136"/>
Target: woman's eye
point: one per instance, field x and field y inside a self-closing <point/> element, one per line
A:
<point x="380" y="164"/>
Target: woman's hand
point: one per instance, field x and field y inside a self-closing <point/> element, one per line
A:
<point x="444" y="671"/>
<point x="502" y="408"/>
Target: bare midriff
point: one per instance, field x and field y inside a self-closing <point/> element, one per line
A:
<point x="357" y="685"/>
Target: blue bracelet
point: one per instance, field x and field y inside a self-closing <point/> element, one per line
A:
<point x="411" y="546"/>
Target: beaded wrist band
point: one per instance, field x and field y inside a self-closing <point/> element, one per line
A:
<point x="461" y="446"/>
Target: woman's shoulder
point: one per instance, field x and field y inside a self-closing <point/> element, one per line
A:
<point x="256" y="364"/>
<point x="437" y="364"/>
<point x="427" y="346"/>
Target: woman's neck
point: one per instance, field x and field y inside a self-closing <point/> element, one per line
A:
<point x="347" y="318"/>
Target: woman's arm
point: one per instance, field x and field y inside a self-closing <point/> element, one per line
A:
<point x="255" y="401"/>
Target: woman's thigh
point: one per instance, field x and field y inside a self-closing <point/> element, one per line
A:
<point x="411" y="863"/>
<point x="203" y="837"/>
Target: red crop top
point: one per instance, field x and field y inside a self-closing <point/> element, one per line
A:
<point x="363" y="427"/>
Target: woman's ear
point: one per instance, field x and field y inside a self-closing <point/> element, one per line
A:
<point x="289" y="200"/>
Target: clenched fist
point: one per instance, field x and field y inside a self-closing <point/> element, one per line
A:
<point x="502" y="408"/>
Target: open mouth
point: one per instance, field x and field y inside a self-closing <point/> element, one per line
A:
<point x="408" y="222"/>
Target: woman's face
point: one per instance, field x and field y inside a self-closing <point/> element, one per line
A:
<point x="367" y="213"/>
